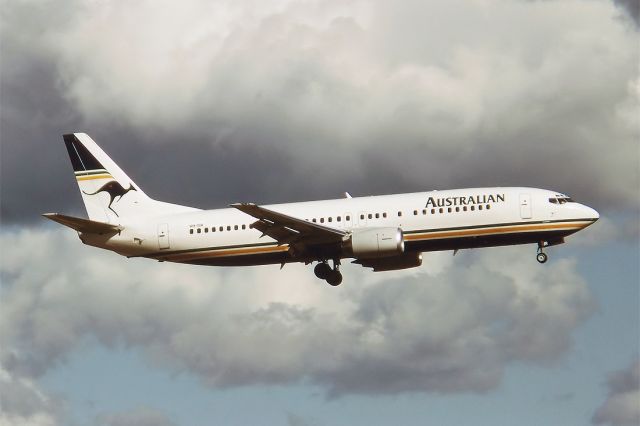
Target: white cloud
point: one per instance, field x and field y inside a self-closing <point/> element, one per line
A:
<point x="622" y="406"/>
<point x="454" y="330"/>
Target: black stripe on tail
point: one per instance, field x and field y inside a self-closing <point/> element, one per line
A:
<point x="81" y="158"/>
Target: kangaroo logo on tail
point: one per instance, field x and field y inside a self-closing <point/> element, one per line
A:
<point x="114" y="189"/>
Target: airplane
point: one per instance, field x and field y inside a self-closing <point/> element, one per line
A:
<point x="384" y="233"/>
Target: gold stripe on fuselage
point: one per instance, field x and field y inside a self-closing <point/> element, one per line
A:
<point x="228" y="252"/>
<point x="432" y="235"/>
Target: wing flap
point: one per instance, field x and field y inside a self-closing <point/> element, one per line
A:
<point x="288" y="229"/>
<point x="84" y="225"/>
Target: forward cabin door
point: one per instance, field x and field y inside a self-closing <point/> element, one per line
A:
<point x="163" y="236"/>
<point x="525" y="206"/>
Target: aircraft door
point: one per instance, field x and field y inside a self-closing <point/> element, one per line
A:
<point x="525" y="206"/>
<point x="163" y="236"/>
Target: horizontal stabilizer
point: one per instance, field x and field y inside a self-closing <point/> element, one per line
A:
<point x="84" y="225"/>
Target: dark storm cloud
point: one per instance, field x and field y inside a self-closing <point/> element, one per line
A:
<point x="307" y="103"/>
<point x="32" y="113"/>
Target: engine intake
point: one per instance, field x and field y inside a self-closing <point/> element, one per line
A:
<point x="375" y="243"/>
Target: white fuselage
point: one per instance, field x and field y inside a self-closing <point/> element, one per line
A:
<point x="436" y="220"/>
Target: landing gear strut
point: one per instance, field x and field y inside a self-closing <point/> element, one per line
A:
<point x="541" y="256"/>
<point x="325" y="272"/>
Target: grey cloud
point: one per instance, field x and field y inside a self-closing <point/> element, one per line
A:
<point x="140" y="416"/>
<point x="297" y="420"/>
<point x="23" y="402"/>
<point x="622" y="406"/>
<point x="452" y="330"/>
<point x="632" y="9"/>
<point x="32" y="112"/>
<point x="306" y="102"/>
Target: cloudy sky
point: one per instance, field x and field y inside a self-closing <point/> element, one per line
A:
<point x="206" y="103"/>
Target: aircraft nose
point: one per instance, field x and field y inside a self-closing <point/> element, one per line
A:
<point x="590" y="213"/>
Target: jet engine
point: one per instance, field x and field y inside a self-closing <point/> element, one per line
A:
<point x="372" y="243"/>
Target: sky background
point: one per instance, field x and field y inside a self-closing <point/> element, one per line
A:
<point x="206" y="103"/>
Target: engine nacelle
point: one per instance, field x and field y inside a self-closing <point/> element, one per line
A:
<point x="404" y="261"/>
<point x="375" y="243"/>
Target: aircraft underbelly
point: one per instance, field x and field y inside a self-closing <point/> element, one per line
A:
<point x="453" y="243"/>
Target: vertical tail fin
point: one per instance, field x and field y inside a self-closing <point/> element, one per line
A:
<point x="108" y="193"/>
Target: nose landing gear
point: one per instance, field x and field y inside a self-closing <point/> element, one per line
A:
<point x="541" y="256"/>
<point x="325" y="272"/>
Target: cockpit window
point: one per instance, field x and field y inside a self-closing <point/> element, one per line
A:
<point x="561" y="200"/>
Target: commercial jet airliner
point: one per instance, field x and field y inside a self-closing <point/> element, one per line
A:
<point x="385" y="233"/>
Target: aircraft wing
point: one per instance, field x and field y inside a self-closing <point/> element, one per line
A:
<point x="287" y="229"/>
<point x="84" y="225"/>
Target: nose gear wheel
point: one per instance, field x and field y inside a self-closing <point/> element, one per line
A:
<point x="541" y="257"/>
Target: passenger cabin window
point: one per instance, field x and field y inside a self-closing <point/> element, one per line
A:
<point x="235" y="227"/>
<point x="377" y="215"/>
<point x="330" y="219"/>
<point x="244" y="226"/>
<point x="361" y="217"/>
<point x="384" y="215"/>
<point x="488" y="206"/>
<point x="191" y="231"/>
<point x="415" y="212"/>
<point x="348" y="218"/>
<point x="339" y="219"/>
<point x="399" y="214"/>
<point x="199" y="230"/>
<point x="322" y="220"/>
<point x="229" y="228"/>
<point x="370" y="216"/>
<point x="221" y="229"/>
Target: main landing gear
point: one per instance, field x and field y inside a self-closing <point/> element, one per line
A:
<point x="325" y="272"/>
<point x="541" y="256"/>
